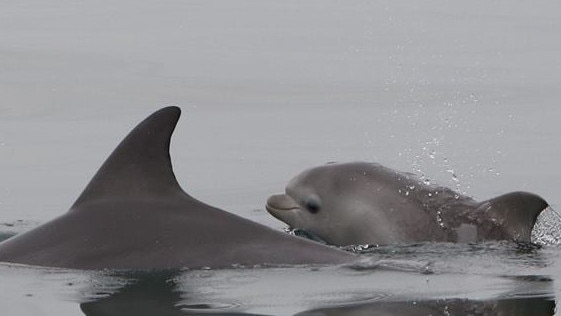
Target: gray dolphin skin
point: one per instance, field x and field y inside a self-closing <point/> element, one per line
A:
<point x="134" y="215"/>
<point x="366" y="203"/>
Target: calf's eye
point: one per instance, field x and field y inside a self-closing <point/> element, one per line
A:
<point x="312" y="206"/>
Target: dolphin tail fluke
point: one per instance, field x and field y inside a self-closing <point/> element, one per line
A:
<point x="516" y="212"/>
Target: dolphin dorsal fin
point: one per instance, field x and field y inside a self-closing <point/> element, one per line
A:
<point x="516" y="212"/>
<point x="140" y="165"/>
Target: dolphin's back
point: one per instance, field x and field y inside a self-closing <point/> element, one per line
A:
<point x="134" y="215"/>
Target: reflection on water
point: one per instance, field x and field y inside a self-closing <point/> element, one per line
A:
<point x="151" y="294"/>
<point x="159" y="294"/>
<point x="536" y="306"/>
<point x="146" y="296"/>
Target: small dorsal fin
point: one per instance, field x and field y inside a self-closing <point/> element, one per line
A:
<point x="140" y="165"/>
<point x="516" y="212"/>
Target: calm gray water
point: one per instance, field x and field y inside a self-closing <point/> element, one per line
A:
<point x="463" y="92"/>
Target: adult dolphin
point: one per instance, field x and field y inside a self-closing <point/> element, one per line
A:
<point x="134" y="215"/>
<point x="366" y="203"/>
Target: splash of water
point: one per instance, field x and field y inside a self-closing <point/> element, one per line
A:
<point x="547" y="230"/>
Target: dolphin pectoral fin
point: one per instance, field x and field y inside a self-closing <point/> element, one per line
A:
<point x="516" y="212"/>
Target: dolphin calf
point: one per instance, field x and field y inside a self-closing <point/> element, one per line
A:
<point x="134" y="215"/>
<point x="366" y="203"/>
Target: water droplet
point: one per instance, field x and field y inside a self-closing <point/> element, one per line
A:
<point x="454" y="176"/>
<point x="439" y="219"/>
